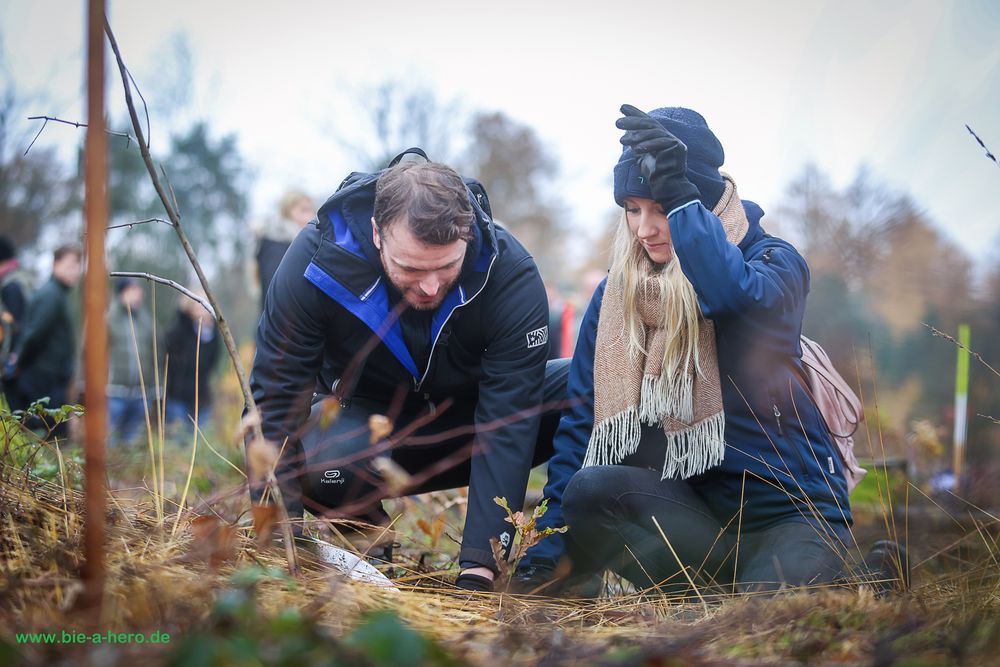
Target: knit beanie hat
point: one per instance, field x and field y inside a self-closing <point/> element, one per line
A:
<point x="704" y="157"/>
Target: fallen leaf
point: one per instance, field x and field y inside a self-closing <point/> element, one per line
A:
<point x="261" y="458"/>
<point x="265" y="518"/>
<point x="396" y="479"/>
<point x="380" y="427"/>
<point x="329" y="411"/>
<point x="250" y="421"/>
<point x="214" y="542"/>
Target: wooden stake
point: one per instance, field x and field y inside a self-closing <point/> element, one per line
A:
<point x="95" y="303"/>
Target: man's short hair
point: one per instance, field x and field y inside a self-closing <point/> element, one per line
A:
<point x="431" y="197"/>
<point x="67" y="249"/>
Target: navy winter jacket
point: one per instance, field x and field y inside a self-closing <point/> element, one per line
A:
<point x="780" y="462"/>
<point x="328" y="299"/>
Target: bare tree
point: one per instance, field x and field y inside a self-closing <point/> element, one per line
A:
<point x="36" y="188"/>
<point x="401" y="115"/>
<point x="518" y="171"/>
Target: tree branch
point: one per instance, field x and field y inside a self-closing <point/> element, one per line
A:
<point x="127" y="136"/>
<point x="169" y="283"/>
<point x="941" y="334"/>
<point x="223" y="326"/>
<point x="988" y="153"/>
<point x="130" y="225"/>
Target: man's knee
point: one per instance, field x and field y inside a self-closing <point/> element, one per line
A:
<point x="333" y="464"/>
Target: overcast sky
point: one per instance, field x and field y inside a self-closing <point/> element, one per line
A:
<point x="889" y="84"/>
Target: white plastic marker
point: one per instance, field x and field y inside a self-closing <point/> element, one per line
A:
<point x="353" y="566"/>
<point x="961" y="402"/>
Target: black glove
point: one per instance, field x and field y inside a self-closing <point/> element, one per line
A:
<point x="532" y="577"/>
<point x="474" y="582"/>
<point x="662" y="158"/>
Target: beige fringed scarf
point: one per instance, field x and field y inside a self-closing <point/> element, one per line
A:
<point x="629" y="392"/>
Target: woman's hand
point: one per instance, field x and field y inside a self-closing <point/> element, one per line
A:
<point x="662" y="158"/>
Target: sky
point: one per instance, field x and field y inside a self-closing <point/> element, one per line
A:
<point x="885" y="84"/>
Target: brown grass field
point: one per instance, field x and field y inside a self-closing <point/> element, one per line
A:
<point x="200" y="576"/>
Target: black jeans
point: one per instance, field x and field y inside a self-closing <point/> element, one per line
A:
<point x="611" y="510"/>
<point x="332" y="472"/>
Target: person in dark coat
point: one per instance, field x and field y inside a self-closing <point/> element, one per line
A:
<point x="692" y="451"/>
<point x="193" y="350"/>
<point x="295" y="211"/>
<point x="44" y="361"/>
<point x="15" y="292"/>
<point x="403" y="302"/>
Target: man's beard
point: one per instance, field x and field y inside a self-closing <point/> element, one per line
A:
<point x="405" y="293"/>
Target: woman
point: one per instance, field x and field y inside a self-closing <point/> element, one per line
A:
<point x="691" y="453"/>
<point x="295" y="210"/>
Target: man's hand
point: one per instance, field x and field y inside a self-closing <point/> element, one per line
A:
<point x="476" y="579"/>
<point x="662" y="158"/>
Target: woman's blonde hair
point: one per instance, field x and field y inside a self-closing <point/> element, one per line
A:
<point x="289" y="200"/>
<point x="681" y="312"/>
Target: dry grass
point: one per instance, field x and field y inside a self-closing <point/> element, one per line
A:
<point x="178" y="584"/>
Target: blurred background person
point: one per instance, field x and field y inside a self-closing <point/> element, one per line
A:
<point x="15" y="291"/>
<point x="193" y="350"/>
<point x="295" y="210"/>
<point x="130" y="359"/>
<point x="44" y="360"/>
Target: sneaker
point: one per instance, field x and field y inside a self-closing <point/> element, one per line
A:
<point x="536" y="578"/>
<point x="887" y="568"/>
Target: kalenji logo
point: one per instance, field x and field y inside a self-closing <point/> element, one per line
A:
<point x="538" y="337"/>
<point x="331" y="477"/>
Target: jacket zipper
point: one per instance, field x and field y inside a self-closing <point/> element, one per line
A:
<point x="430" y="357"/>
<point x="781" y="434"/>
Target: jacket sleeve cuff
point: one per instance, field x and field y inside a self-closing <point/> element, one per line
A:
<point x="677" y="208"/>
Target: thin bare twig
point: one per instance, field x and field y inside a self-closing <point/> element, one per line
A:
<point x="223" y="326"/>
<point x="941" y="334"/>
<point x="169" y="283"/>
<point x="127" y="136"/>
<point x="130" y="225"/>
<point x="988" y="153"/>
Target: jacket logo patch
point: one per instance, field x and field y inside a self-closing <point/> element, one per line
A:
<point x="538" y="337"/>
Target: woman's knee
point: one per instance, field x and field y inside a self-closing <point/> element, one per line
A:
<point x="590" y="492"/>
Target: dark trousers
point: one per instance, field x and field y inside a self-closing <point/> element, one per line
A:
<point x="332" y="474"/>
<point x="610" y="511"/>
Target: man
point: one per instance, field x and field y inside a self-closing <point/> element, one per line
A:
<point x="44" y="360"/>
<point x="404" y="299"/>
<point x="130" y="361"/>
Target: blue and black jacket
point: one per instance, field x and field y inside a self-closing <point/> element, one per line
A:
<point x="329" y="298"/>
<point x="780" y="462"/>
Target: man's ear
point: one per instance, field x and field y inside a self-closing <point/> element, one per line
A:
<point x="376" y="238"/>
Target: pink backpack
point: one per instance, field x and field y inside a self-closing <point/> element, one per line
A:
<point x="838" y="404"/>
